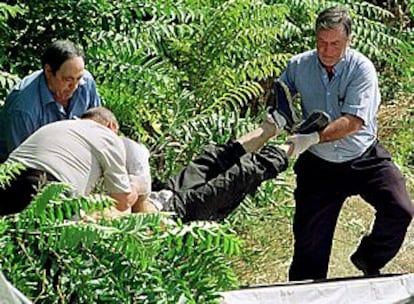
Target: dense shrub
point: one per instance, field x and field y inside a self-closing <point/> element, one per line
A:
<point x="139" y="258"/>
<point x="178" y="74"/>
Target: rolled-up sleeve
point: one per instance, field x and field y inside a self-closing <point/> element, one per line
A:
<point x="361" y="93"/>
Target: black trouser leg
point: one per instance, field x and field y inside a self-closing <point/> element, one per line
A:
<point x="214" y="197"/>
<point x="382" y="186"/>
<point x="214" y="160"/>
<point x="317" y="209"/>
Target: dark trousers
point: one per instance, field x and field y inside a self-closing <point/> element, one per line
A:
<point x="18" y="195"/>
<point x="215" y="183"/>
<point x="322" y="188"/>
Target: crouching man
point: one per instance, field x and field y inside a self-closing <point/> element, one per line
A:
<point x="77" y="152"/>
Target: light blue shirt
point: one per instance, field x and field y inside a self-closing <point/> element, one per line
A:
<point x="31" y="105"/>
<point x="352" y="90"/>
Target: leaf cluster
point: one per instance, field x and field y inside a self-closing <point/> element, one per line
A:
<point x="178" y="75"/>
<point x="53" y="256"/>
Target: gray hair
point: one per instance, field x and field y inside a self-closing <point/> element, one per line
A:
<point x="100" y="115"/>
<point x="333" y="17"/>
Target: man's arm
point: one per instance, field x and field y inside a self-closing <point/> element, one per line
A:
<point x="122" y="187"/>
<point x="95" y="99"/>
<point x="337" y="129"/>
<point x="143" y="189"/>
<point x="90" y="91"/>
<point x="124" y="200"/>
<point x="128" y="199"/>
<point x="341" y="127"/>
<point x="18" y="127"/>
<point x="136" y="199"/>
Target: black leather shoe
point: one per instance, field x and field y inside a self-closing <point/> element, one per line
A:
<point x="280" y="101"/>
<point x="363" y="266"/>
<point x="317" y="121"/>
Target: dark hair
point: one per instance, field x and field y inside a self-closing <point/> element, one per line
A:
<point x="60" y="51"/>
<point x="333" y="17"/>
<point x="100" y="115"/>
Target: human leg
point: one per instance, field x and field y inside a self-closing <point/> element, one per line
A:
<point x="256" y="139"/>
<point x="218" y="158"/>
<point x="219" y="168"/>
<point x="319" y="198"/>
<point x="218" y="196"/>
<point x="214" y="160"/>
<point x="382" y="185"/>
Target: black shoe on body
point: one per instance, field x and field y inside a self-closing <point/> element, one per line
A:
<point x="363" y="266"/>
<point x="280" y="102"/>
<point x="317" y="121"/>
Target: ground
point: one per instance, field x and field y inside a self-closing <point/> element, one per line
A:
<point x="267" y="261"/>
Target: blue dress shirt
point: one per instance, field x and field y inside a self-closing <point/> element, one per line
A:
<point x="31" y="105"/>
<point x="353" y="89"/>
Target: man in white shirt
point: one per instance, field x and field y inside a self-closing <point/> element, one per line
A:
<point x="77" y="152"/>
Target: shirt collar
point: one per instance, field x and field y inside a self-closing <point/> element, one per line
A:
<point x="337" y="68"/>
<point x="46" y="95"/>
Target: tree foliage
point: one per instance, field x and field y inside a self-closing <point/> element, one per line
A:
<point x="178" y="74"/>
<point x="52" y="258"/>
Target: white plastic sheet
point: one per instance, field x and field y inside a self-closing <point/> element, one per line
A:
<point x="9" y="294"/>
<point x="395" y="289"/>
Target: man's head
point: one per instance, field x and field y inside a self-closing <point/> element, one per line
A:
<point x="63" y="63"/>
<point x="102" y="116"/>
<point x="333" y="34"/>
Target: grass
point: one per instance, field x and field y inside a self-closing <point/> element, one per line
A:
<point x="269" y="242"/>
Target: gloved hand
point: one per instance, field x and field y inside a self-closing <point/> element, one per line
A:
<point x="301" y="142"/>
<point x="276" y="119"/>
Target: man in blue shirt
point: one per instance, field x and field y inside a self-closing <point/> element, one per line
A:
<point x="345" y="158"/>
<point x="62" y="90"/>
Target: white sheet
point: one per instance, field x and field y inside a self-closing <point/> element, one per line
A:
<point x="396" y="289"/>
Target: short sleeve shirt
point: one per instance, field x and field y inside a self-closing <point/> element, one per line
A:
<point x="77" y="152"/>
<point x="31" y="105"/>
<point x="137" y="162"/>
<point x="352" y="90"/>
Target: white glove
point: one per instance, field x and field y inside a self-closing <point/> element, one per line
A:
<point x="301" y="142"/>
